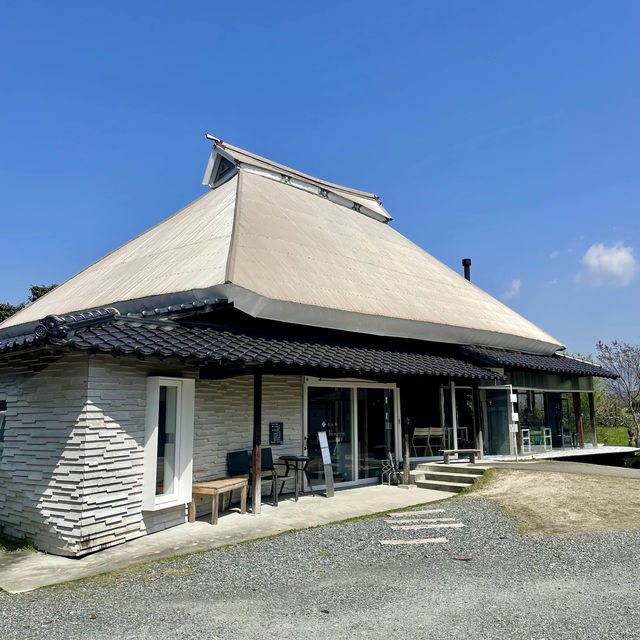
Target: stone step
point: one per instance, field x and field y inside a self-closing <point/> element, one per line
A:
<point x="463" y="478"/>
<point x="442" y="485"/>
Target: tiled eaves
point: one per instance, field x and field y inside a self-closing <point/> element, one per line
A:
<point x="250" y="346"/>
<point x="533" y="362"/>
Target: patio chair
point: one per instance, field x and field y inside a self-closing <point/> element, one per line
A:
<point x="421" y="433"/>
<point x="239" y="464"/>
<point x="436" y="433"/>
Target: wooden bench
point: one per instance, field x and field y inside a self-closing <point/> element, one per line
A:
<point x="216" y="488"/>
<point x="470" y="452"/>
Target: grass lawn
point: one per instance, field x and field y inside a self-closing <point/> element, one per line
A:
<point x="617" y="436"/>
<point x="9" y="544"/>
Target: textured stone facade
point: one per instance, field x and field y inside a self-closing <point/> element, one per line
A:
<point x="42" y="465"/>
<point x="224" y="422"/>
<point x="72" y="468"/>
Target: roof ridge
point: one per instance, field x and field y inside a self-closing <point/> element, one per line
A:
<point x="225" y="146"/>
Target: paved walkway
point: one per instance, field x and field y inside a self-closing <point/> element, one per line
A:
<point x="25" y="571"/>
<point x="569" y="467"/>
<point x="430" y="520"/>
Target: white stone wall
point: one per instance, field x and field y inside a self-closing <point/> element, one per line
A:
<point x="42" y="465"/>
<point x="224" y="422"/>
<point x="72" y="469"/>
<point x="116" y="395"/>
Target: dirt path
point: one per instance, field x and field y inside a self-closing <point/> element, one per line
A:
<point x="549" y="503"/>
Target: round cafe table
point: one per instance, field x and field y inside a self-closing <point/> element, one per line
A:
<point x="296" y="464"/>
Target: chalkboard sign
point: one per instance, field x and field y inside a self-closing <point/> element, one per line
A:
<point x="276" y="432"/>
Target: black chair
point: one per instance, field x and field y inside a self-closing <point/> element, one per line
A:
<point x="239" y="464"/>
<point x="268" y="467"/>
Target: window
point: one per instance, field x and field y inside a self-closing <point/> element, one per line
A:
<point x="3" y="418"/>
<point x="168" y="445"/>
<point x="531" y="409"/>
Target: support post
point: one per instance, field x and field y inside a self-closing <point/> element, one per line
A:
<point x="454" y="417"/>
<point x="592" y="416"/>
<point x="478" y="441"/>
<point x="256" y="466"/>
<point x="406" y="465"/>
<point x="577" y="412"/>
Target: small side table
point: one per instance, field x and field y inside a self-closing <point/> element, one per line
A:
<point x="296" y="464"/>
<point x="215" y="488"/>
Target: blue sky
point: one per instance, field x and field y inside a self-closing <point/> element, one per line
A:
<point x="507" y="132"/>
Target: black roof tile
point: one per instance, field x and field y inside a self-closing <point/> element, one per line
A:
<point x="549" y="364"/>
<point x="259" y="346"/>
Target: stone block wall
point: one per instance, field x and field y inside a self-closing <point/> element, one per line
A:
<point x="224" y="422"/>
<point x="116" y="403"/>
<point x="42" y="465"/>
<point x="224" y="419"/>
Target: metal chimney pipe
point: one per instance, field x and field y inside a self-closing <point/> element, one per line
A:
<point x="466" y="263"/>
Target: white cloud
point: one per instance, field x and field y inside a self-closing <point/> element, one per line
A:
<point x="512" y="290"/>
<point x="608" y="266"/>
<point x="552" y="283"/>
<point x="554" y="254"/>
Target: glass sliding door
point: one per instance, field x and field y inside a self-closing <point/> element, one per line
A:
<point x="375" y="429"/>
<point x="360" y="422"/>
<point x="466" y="418"/>
<point x="496" y="409"/>
<point x="330" y="410"/>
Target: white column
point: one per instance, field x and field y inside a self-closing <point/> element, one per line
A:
<point x="454" y="416"/>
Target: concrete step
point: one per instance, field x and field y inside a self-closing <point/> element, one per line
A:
<point x="462" y="478"/>
<point x="442" y="485"/>
<point x="475" y="470"/>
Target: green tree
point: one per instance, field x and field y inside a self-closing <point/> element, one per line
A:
<point x="36" y="291"/>
<point x="624" y="360"/>
<point x="7" y="309"/>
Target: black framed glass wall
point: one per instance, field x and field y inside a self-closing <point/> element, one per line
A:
<point x="549" y="420"/>
<point x="361" y="423"/>
<point x="495" y="405"/>
<point x="330" y="410"/>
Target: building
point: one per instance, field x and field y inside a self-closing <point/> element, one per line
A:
<point x="273" y="298"/>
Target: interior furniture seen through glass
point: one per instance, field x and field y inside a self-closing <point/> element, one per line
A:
<point x="330" y="410"/>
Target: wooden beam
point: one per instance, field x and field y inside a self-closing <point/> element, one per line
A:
<point x="256" y="469"/>
<point x="577" y="412"/>
<point x="592" y="416"/>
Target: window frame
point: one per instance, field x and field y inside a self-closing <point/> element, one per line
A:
<point x="3" y="424"/>
<point x="184" y="443"/>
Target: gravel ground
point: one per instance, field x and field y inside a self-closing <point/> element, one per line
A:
<point x="487" y="581"/>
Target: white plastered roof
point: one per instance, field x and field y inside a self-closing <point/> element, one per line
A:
<point x="287" y="253"/>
